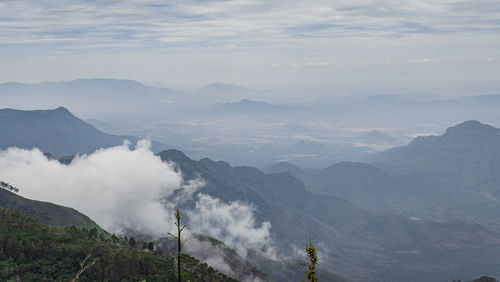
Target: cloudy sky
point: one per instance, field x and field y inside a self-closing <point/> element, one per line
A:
<point x="445" y="46"/>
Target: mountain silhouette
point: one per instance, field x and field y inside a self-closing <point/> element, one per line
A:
<point x="57" y="132"/>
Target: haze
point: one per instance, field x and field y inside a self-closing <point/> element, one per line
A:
<point x="294" y="47"/>
<point x="371" y="128"/>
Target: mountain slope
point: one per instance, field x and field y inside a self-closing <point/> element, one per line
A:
<point x="31" y="251"/>
<point x="281" y="167"/>
<point x="362" y="184"/>
<point x="57" y="132"/>
<point x="470" y="147"/>
<point x="458" y="173"/>
<point x="454" y="176"/>
<point x="199" y="246"/>
<point x="357" y="243"/>
<point x="290" y="226"/>
<point x="46" y="212"/>
<point x="449" y="177"/>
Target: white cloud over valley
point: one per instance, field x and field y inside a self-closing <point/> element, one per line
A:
<point x="125" y="189"/>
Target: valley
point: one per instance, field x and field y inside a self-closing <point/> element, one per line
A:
<point x="252" y="141"/>
<point x="383" y="220"/>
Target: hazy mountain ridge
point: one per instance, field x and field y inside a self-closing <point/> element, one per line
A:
<point x="57" y="132"/>
<point x="294" y="170"/>
<point x="452" y="176"/>
<point x="471" y="136"/>
<point x="364" y="244"/>
<point x="351" y="180"/>
<point x="337" y="125"/>
<point x="355" y="242"/>
<point x="87" y="90"/>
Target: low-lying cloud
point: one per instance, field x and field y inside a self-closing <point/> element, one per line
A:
<point x="232" y="223"/>
<point x="124" y="188"/>
<point x="117" y="187"/>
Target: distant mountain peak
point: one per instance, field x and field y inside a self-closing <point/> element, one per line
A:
<point x="469" y="143"/>
<point x="468" y="126"/>
<point x="248" y="101"/>
<point x="62" y="109"/>
<point x="174" y="155"/>
<point x="56" y="131"/>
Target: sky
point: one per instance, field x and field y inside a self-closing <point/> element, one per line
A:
<point x="342" y="46"/>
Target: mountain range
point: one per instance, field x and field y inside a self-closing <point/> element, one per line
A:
<point x="89" y="95"/>
<point x="360" y="244"/>
<point x="354" y="241"/>
<point x="453" y="176"/>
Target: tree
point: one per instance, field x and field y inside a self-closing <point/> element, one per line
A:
<point x="179" y="242"/>
<point x="92" y="233"/>
<point x="132" y="242"/>
<point x="313" y="261"/>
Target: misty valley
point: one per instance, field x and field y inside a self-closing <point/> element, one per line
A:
<point x="240" y="140"/>
<point x="94" y="170"/>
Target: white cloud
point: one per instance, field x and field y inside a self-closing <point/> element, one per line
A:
<point x="231" y="223"/>
<point x="214" y="22"/>
<point x="117" y="187"/>
<point x="132" y="189"/>
<point x="189" y="40"/>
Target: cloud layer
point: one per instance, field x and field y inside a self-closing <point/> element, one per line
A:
<point x="234" y="23"/>
<point x="117" y="187"/>
<point x="320" y="43"/>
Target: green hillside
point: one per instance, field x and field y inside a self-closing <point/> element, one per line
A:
<point x="46" y="212"/>
<point x="33" y="251"/>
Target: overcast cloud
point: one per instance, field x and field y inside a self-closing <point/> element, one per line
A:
<point x="270" y="44"/>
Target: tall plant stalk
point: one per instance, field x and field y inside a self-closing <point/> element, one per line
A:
<point x="313" y="261"/>
<point x="179" y="242"/>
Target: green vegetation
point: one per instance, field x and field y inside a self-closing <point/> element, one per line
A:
<point x="313" y="261"/>
<point x="32" y="251"/>
<point x="46" y="212"/>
